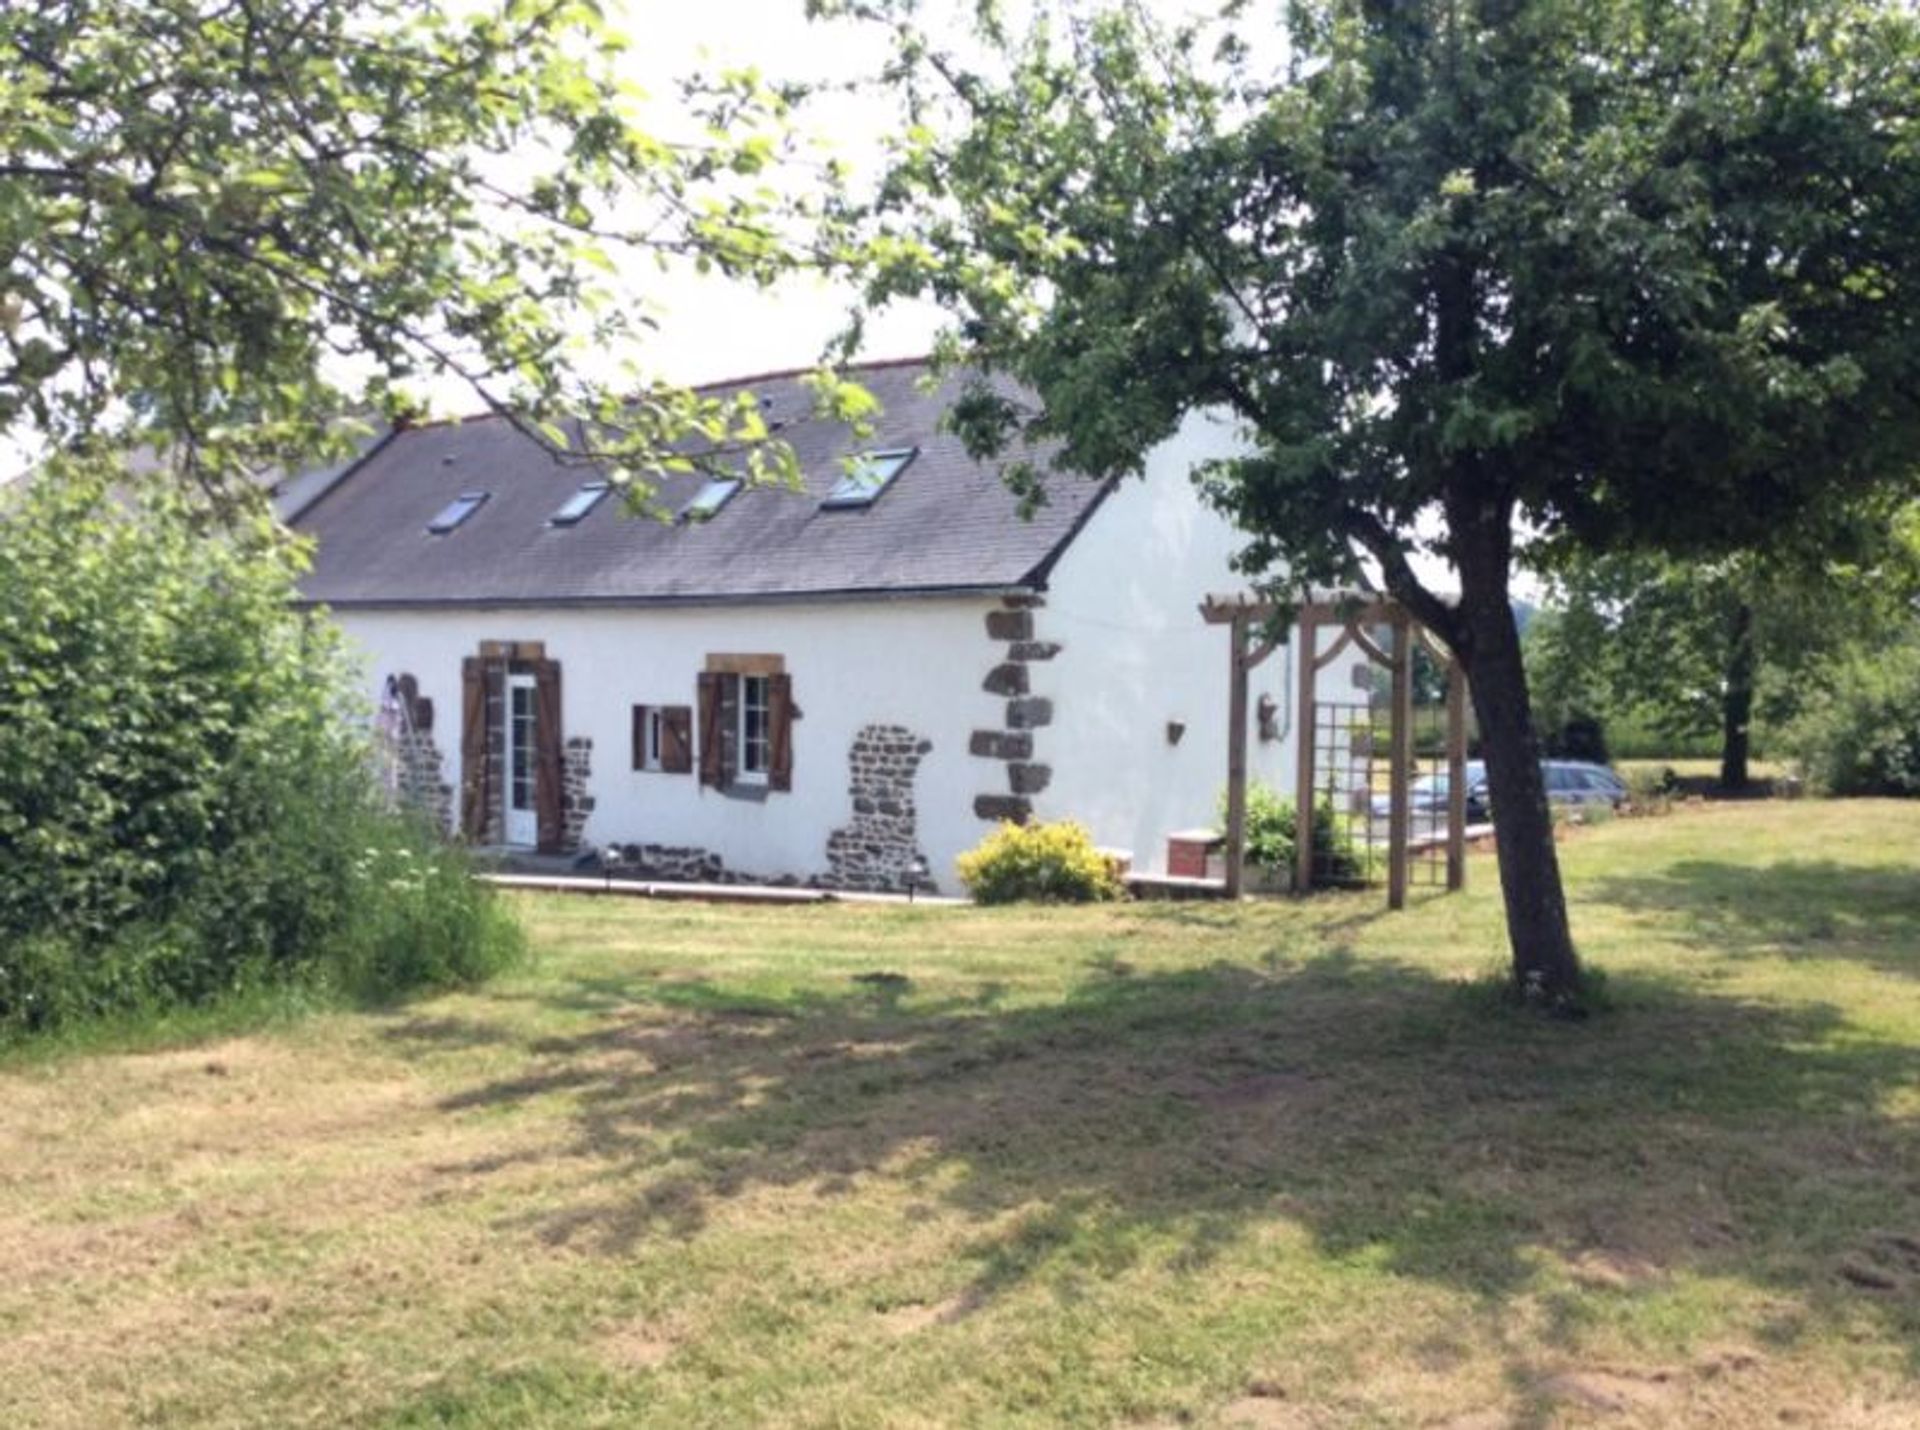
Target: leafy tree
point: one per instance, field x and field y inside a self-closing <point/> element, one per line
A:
<point x="1710" y="648"/>
<point x="223" y="223"/>
<point x="1627" y="275"/>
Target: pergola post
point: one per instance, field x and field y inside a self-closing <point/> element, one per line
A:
<point x="1236" y="857"/>
<point x="1304" y="721"/>
<point x="1456" y="777"/>
<point x="1400" y="761"/>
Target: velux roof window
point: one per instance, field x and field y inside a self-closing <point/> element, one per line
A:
<point x="579" y="504"/>
<point x="710" y="498"/>
<point x="869" y="475"/>
<point x="456" y="511"/>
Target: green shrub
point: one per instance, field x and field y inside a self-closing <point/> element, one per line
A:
<point x="1860" y="731"/>
<point x="1038" y="863"/>
<point x="187" y="803"/>
<point x="1273" y="834"/>
<point x="1651" y="791"/>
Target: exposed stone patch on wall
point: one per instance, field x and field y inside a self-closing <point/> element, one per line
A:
<point x="877" y="848"/>
<point x="669" y="863"/>
<point x="684" y="864"/>
<point x="576" y="803"/>
<point x="419" y="778"/>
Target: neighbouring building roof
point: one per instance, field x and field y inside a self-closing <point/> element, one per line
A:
<point x="945" y="523"/>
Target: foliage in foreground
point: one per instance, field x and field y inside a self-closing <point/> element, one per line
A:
<point x="1861" y="731"/>
<point x="1038" y="863"/>
<point x="186" y="809"/>
<point x="469" y="192"/>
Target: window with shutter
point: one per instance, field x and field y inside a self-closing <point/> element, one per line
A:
<point x="663" y="738"/>
<point x="746" y="723"/>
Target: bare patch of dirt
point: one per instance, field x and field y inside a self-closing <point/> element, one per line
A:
<point x="1252" y="1091"/>
<point x="638" y="1346"/>
<point x="1889" y="1261"/>
<point x="922" y="1315"/>
<point x="1612" y="1270"/>
<point x="1265" y="1406"/>
<point x="1615" y="1391"/>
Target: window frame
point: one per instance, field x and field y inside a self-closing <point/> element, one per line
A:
<point x="585" y="497"/>
<point x="745" y="742"/>
<point x="853" y="493"/>
<point x="650" y="741"/>
<point x="457" y="513"/>
<point x="701" y="509"/>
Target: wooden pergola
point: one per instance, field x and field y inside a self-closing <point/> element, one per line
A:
<point x="1253" y="635"/>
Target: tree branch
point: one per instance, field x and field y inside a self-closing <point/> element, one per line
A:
<point x="1402" y="583"/>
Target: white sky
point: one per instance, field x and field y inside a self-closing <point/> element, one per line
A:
<point x="712" y="328"/>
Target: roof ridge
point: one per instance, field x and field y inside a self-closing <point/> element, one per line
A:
<point x="419" y="424"/>
<point x="784" y="373"/>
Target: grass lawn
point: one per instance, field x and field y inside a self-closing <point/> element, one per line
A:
<point x="1150" y="1165"/>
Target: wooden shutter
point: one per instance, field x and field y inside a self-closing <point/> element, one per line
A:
<point x="473" y="748"/>
<point x="639" y="737"/>
<point x="548" y="788"/>
<point x="676" y="739"/>
<point x="780" y="731"/>
<point x="712" y="732"/>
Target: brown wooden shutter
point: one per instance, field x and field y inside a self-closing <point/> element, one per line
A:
<point x="550" y="827"/>
<point x="780" y="731"/>
<point x="712" y="734"/>
<point x="639" y="737"/>
<point x="473" y="748"/>
<point x="676" y="739"/>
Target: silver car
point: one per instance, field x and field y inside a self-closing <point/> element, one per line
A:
<point x="1569" y="782"/>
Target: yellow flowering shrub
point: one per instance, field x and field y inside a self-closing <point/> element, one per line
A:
<point x="1039" y="863"/>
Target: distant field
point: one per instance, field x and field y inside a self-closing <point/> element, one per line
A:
<point x="1282" y="1165"/>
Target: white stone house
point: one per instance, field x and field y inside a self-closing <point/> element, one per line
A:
<point x="847" y="685"/>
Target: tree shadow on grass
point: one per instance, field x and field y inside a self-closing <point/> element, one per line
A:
<point x="1393" y="1116"/>
<point x="1793" y="909"/>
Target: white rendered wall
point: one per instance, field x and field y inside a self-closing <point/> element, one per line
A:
<point x="1124" y="603"/>
<point x="915" y="663"/>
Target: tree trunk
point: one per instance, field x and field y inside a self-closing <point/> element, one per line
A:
<point x="1736" y="702"/>
<point x="1545" y="967"/>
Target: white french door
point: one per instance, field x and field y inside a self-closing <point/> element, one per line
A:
<point x="522" y="821"/>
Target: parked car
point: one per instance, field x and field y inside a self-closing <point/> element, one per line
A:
<point x="1569" y="782"/>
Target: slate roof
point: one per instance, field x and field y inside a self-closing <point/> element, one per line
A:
<point x="945" y="524"/>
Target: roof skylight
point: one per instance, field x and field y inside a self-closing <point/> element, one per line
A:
<point x="870" y="475"/>
<point x="579" y="504"/>
<point x="456" y="511"/>
<point x="710" y="498"/>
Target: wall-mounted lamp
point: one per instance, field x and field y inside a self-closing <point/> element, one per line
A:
<point x="1175" y="729"/>
<point x="1267" y="711"/>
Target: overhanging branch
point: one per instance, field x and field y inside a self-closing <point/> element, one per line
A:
<point x="1402" y="583"/>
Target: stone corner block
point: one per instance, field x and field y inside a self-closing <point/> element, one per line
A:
<point x="1010" y="625"/>
<point x="1033" y="650"/>
<point x="1001" y="744"/>
<point x="1029" y="779"/>
<point x="1003" y="806"/>
<point x="1029" y="713"/>
<point x="1007" y="679"/>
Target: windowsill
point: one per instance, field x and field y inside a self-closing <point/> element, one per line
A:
<point x="752" y="791"/>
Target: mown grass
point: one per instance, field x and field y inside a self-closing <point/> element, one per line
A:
<point x="1281" y="1165"/>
